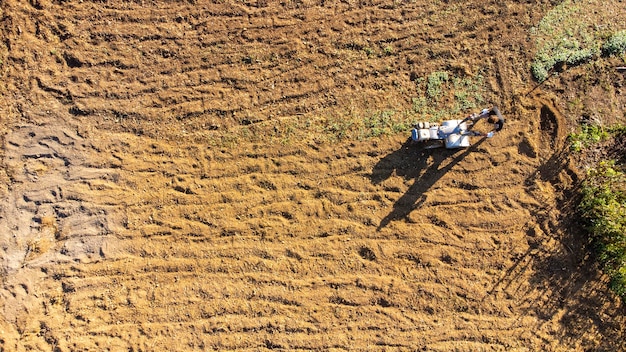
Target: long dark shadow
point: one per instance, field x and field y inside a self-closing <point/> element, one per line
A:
<point x="413" y="163"/>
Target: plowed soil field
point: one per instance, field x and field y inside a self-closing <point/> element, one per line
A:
<point x="235" y="175"/>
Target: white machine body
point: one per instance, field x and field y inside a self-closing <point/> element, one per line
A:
<point x="453" y="133"/>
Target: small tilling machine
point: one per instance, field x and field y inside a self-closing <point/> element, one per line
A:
<point x="456" y="133"/>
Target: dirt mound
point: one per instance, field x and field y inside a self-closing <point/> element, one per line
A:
<point x="163" y="188"/>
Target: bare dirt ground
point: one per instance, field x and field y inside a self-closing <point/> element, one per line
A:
<point x="167" y="183"/>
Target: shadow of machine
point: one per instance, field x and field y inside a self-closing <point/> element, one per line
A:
<point x="422" y="164"/>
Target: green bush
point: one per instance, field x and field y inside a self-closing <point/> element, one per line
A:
<point x="539" y="70"/>
<point x="603" y="208"/>
<point x="588" y="135"/>
<point x="571" y="34"/>
<point x="616" y="44"/>
<point x="565" y="53"/>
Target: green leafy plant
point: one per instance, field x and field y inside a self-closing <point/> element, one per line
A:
<point x="588" y="135"/>
<point x="616" y="44"/>
<point x="378" y="124"/>
<point x="435" y="81"/>
<point x="566" y="52"/>
<point x="603" y="207"/>
<point x="338" y="128"/>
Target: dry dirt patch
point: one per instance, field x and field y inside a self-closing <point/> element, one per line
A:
<point x="356" y="244"/>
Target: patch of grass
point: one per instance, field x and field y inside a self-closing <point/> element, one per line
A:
<point x="564" y="53"/>
<point x="382" y="123"/>
<point x="372" y="125"/>
<point x="467" y="93"/>
<point x="377" y="124"/>
<point x="338" y="128"/>
<point x="603" y="208"/>
<point x="570" y="35"/>
<point x="446" y="95"/>
<point x="561" y="38"/>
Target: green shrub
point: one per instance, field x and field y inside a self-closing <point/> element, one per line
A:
<point x="603" y="205"/>
<point x="539" y="71"/>
<point x="603" y="208"/>
<point x="570" y="34"/>
<point x="588" y="135"/>
<point x="569" y="53"/>
<point x="616" y="44"/>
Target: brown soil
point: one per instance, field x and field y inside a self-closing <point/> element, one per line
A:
<point x="162" y="190"/>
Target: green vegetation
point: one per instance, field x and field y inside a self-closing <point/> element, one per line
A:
<point x="616" y="44"/>
<point x="569" y="53"/>
<point x="563" y="37"/>
<point x="435" y="82"/>
<point x="570" y="35"/>
<point x="447" y="95"/>
<point x="590" y="134"/>
<point x="603" y="208"/>
<point x="382" y="123"/>
<point x="374" y="124"/>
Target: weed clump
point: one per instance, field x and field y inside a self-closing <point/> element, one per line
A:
<point x="435" y="82"/>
